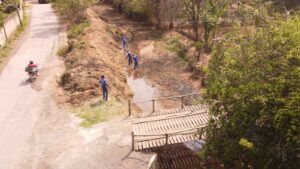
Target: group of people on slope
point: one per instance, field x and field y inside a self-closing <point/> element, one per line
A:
<point x="132" y="59"/>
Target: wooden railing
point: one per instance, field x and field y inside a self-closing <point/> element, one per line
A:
<point x="199" y="132"/>
<point x="181" y="97"/>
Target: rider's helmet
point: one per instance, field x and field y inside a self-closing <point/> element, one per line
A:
<point x="31" y="62"/>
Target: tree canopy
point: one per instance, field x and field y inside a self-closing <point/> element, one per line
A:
<point x="253" y="89"/>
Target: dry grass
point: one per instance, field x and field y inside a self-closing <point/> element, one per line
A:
<point x="94" y="53"/>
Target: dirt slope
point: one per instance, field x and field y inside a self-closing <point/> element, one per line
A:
<point x="162" y="68"/>
<point x="98" y="54"/>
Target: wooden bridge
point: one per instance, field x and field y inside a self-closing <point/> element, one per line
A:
<point x="169" y="126"/>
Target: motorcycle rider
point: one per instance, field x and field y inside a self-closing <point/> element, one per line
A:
<point x="32" y="67"/>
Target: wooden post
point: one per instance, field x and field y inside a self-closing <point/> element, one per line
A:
<point x="18" y="12"/>
<point x="153" y="106"/>
<point x="5" y="33"/>
<point x="129" y="108"/>
<point x="167" y="139"/>
<point x="199" y="132"/>
<point x="132" y="144"/>
<point x="182" y="102"/>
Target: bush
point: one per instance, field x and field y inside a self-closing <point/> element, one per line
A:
<point x="135" y="9"/>
<point x="9" y="8"/>
<point x="65" y="79"/>
<point x="175" y="45"/>
<point x="63" y="51"/>
<point x="77" y="29"/>
<point x="73" y="10"/>
<point x="254" y="92"/>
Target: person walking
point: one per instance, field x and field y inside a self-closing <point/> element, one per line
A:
<point x="136" y="62"/>
<point x="129" y="57"/>
<point x="105" y="87"/>
<point x="124" y="42"/>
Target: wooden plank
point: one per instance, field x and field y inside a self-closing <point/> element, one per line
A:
<point x="172" y="123"/>
<point x="203" y="118"/>
<point x="140" y="146"/>
<point x="169" y="125"/>
<point x="153" y="126"/>
<point x="177" y="124"/>
<point x="189" y="107"/>
<point x="185" y="122"/>
<point x="198" y="118"/>
<point x="193" y="121"/>
<point x="165" y="117"/>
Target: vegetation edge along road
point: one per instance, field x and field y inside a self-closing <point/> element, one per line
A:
<point x="12" y="40"/>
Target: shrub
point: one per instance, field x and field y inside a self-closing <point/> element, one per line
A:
<point x="73" y="10"/>
<point x="77" y="29"/>
<point x="138" y="8"/>
<point x="175" y="45"/>
<point x="254" y="93"/>
<point x="65" y="78"/>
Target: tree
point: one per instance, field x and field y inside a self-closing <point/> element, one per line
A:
<point x="253" y="89"/>
<point x="156" y="11"/>
<point x="198" y="45"/>
<point x="192" y="10"/>
<point x="170" y="12"/>
<point x="210" y="16"/>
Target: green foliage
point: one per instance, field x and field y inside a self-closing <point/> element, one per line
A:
<point x="198" y="45"/>
<point x="63" y="51"/>
<point x="77" y="29"/>
<point x="137" y="7"/>
<point x="245" y="143"/>
<point x="210" y="16"/>
<point x="73" y="10"/>
<point x="9" y="6"/>
<point x="254" y="92"/>
<point x="1" y="19"/>
<point x="100" y="111"/>
<point x="175" y="45"/>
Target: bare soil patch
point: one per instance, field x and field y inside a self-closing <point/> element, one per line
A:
<point x="94" y="53"/>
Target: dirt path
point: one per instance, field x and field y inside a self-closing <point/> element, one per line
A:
<point x="20" y="102"/>
<point x="36" y="133"/>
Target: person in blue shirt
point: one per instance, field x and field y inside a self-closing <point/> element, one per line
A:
<point x="104" y="86"/>
<point x="136" y="61"/>
<point x="124" y="41"/>
<point x="129" y="57"/>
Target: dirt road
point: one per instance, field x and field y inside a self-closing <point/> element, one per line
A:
<point x="20" y="102"/>
<point x="34" y="132"/>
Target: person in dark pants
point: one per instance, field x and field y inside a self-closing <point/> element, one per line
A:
<point x="124" y="42"/>
<point x="129" y="57"/>
<point x="136" y="61"/>
<point x="105" y="87"/>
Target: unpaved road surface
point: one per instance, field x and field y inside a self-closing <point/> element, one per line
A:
<point x="34" y="132"/>
<point x="21" y="102"/>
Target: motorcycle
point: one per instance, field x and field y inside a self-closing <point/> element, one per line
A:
<point x="32" y="73"/>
